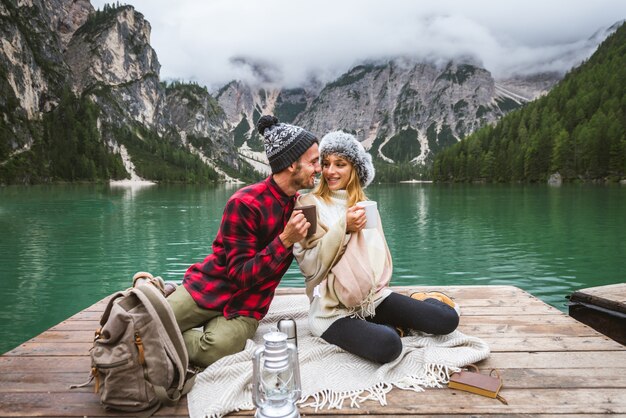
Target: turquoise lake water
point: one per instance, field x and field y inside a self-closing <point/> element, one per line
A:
<point x="64" y="247"/>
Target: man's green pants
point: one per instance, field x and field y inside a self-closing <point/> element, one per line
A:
<point x="219" y="336"/>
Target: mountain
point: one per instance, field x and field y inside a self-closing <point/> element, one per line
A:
<point x="244" y="105"/>
<point x="81" y="100"/>
<point x="406" y="111"/>
<point x="577" y="132"/>
<point x="402" y="111"/>
<point x="32" y="69"/>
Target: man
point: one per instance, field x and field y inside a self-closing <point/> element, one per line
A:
<point x="231" y="290"/>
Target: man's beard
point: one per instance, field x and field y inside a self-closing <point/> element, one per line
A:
<point x="297" y="181"/>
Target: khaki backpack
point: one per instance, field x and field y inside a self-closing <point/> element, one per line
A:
<point x="139" y="359"/>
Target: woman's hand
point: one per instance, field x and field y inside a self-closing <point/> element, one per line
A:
<point x="355" y="219"/>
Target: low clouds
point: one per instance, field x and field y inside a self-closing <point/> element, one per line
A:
<point x="288" y="42"/>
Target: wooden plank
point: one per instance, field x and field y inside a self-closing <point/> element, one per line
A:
<point x="554" y="360"/>
<point x="530" y="319"/>
<point x="519" y="313"/>
<point x="537" y="378"/>
<point x="521" y="378"/>
<point x="507" y="317"/>
<point x="27" y="381"/>
<point x="52" y="349"/>
<point x="60" y="364"/>
<point x="527" y="401"/>
<point x="71" y="343"/>
<point x="428" y="414"/>
<point x="468" y="320"/>
<point x="615" y="292"/>
<point x="469" y="307"/>
<point x="431" y="401"/>
<point x="605" y="302"/>
<point x="70" y="404"/>
<point x="516" y="326"/>
<point x="511" y="294"/>
<point x="502" y="294"/>
<point x="57" y="345"/>
<point x="603" y="308"/>
<point x="551" y="343"/>
<point x="523" y="330"/>
<point x="70" y="336"/>
<point x="516" y="360"/>
<point x="471" y="290"/>
<point x="76" y="326"/>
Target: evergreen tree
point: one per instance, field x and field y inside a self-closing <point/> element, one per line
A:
<point x="578" y="129"/>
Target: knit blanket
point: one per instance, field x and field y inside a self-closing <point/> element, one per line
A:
<point x="330" y="376"/>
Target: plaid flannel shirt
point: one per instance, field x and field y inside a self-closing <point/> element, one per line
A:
<point x="248" y="259"/>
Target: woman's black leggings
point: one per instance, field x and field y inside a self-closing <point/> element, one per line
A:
<point x="376" y="339"/>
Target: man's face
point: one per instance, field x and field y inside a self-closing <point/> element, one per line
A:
<point x="306" y="169"/>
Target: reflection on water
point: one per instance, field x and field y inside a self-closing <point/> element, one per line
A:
<point x="64" y="247"/>
<point x="547" y="241"/>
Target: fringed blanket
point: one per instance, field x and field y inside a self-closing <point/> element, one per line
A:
<point x="331" y="377"/>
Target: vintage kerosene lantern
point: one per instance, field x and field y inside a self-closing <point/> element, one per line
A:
<point x="276" y="377"/>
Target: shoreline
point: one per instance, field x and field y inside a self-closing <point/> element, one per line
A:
<point x="415" y="181"/>
<point x="131" y="183"/>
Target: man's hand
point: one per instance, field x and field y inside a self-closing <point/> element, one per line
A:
<point x="355" y="219"/>
<point x="295" y="230"/>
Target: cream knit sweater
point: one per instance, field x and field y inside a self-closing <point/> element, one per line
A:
<point x="320" y="258"/>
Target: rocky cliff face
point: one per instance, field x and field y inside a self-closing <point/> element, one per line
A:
<point x="243" y="105"/>
<point x="33" y="34"/>
<point x="405" y="111"/>
<point x="111" y="56"/>
<point x="30" y="56"/>
<point x="201" y="122"/>
<point x="112" y="60"/>
<point x="65" y="17"/>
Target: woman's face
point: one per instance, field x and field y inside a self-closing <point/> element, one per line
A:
<point x="336" y="171"/>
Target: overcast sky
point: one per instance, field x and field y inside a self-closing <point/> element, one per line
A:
<point x="213" y="42"/>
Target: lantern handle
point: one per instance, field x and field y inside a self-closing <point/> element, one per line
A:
<point x="257" y="396"/>
<point x="293" y="354"/>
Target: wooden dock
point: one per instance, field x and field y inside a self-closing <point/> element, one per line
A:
<point x="551" y="365"/>
<point x="603" y="308"/>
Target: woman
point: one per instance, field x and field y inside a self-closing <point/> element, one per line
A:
<point x="347" y="267"/>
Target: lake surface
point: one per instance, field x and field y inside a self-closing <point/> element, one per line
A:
<point x="64" y="247"/>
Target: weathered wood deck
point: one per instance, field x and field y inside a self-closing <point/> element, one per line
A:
<point x="603" y="308"/>
<point x="551" y="364"/>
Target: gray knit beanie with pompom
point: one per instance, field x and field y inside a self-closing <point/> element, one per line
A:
<point x="346" y="146"/>
<point x="284" y="143"/>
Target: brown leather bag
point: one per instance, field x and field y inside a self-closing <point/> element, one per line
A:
<point x="481" y="384"/>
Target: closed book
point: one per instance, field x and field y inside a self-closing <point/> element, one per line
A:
<point x="476" y="383"/>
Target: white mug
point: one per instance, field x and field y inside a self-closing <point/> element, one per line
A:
<point x="371" y="213"/>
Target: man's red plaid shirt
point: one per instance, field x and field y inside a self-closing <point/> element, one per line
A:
<point x="248" y="259"/>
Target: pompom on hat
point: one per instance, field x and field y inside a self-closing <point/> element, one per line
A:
<point x="346" y="145"/>
<point x="284" y="143"/>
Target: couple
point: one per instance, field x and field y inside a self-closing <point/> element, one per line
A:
<point x="230" y="291"/>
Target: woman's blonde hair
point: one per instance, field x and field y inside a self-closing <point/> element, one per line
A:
<point x="354" y="189"/>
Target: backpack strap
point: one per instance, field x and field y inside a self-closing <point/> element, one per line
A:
<point x="171" y="400"/>
<point x="158" y="306"/>
<point x="107" y="311"/>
